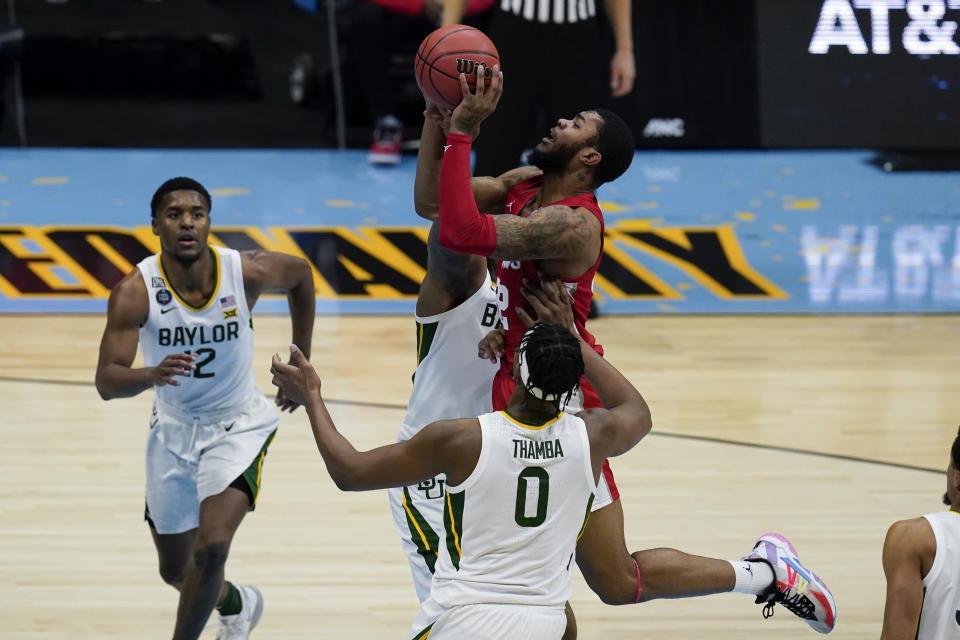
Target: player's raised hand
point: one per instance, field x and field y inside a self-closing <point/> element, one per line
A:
<point x="175" y="364"/>
<point x="298" y="380"/>
<point x="441" y="117"/>
<point x="477" y="105"/>
<point x="492" y="345"/>
<point x="550" y="300"/>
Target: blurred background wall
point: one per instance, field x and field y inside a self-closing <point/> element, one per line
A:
<point x="711" y="74"/>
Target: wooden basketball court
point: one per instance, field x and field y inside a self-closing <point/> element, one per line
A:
<point x="825" y="429"/>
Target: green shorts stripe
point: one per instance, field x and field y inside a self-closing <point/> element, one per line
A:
<point x="425" y="633"/>
<point x="421" y="533"/>
<point x="252" y="474"/>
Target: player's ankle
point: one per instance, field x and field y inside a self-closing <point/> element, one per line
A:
<point x="232" y="604"/>
<point x="752" y="576"/>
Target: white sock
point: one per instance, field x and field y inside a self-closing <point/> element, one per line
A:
<point x="752" y="577"/>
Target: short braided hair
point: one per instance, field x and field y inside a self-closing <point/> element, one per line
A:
<point x="552" y="356"/>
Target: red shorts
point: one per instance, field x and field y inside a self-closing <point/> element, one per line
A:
<point x="503" y="385"/>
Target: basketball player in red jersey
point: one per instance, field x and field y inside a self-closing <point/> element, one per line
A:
<point x="553" y="225"/>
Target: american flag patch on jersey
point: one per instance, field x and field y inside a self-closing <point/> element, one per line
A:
<point x="229" y="301"/>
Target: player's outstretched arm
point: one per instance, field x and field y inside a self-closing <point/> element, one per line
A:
<point x="902" y="566"/>
<point x="126" y="311"/>
<point x="425" y="455"/>
<point x="429" y="159"/>
<point x="273" y="271"/>
<point x="624" y="421"/>
<point x="489" y="193"/>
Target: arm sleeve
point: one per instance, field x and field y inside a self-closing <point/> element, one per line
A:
<point x="462" y="228"/>
<point x="407" y="7"/>
<point x="477" y="6"/>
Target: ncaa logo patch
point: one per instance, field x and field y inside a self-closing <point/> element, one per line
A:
<point x="156" y="283"/>
<point x="164" y="296"/>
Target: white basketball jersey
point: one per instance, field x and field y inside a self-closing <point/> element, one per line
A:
<point x="512" y="526"/>
<point x="940" y="615"/>
<point x="220" y="332"/>
<point x="450" y="380"/>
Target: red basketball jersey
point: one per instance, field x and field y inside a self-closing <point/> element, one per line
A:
<point x="510" y="275"/>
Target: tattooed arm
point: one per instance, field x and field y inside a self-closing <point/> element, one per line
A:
<point x="556" y="232"/>
<point x="573" y="236"/>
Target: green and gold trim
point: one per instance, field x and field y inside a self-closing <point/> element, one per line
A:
<point x="585" y="517"/>
<point x="532" y="427"/>
<point x="253" y="473"/>
<point x="216" y="286"/>
<point x="453" y="525"/>
<point x="425" y="333"/>
<point x="422" y="534"/>
<point x="423" y="635"/>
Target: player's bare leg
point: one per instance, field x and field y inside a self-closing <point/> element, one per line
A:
<point x="570" y="633"/>
<point x="173" y="554"/>
<point x="611" y="571"/>
<point x="203" y="586"/>
<point x="772" y="572"/>
<point x="669" y="573"/>
<point x="603" y="557"/>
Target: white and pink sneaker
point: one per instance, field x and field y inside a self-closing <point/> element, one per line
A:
<point x="795" y="587"/>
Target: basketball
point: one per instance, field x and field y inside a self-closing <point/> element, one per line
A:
<point x="444" y="55"/>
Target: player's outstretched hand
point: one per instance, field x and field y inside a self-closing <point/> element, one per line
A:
<point x="550" y="300"/>
<point x="285" y="403"/>
<point x="492" y="345"/>
<point x="298" y="380"/>
<point x="477" y="105"/>
<point x="175" y="364"/>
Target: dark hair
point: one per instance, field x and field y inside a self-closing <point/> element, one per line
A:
<point x="552" y="356"/>
<point x="955" y="451"/>
<point x="615" y="143"/>
<point x="178" y="184"/>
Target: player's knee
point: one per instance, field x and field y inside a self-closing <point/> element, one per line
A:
<point x="617" y="593"/>
<point x="210" y="557"/>
<point x="172" y="573"/>
<point x="613" y="585"/>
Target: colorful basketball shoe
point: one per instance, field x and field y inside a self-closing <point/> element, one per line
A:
<point x="795" y="587"/>
<point x="238" y="627"/>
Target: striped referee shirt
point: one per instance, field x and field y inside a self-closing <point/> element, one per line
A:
<point x="557" y="11"/>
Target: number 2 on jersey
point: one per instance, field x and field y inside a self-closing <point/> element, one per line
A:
<point x="198" y="371"/>
<point x="543" y="491"/>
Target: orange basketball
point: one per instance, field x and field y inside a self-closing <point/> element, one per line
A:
<point x="444" y="55"/>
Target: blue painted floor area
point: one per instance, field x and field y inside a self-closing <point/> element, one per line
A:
<point x="688" y="232"/>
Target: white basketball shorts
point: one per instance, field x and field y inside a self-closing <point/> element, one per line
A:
<point x="418" y="517"/>
<point x="192" y="456"/>
<point x="488" y="622"/>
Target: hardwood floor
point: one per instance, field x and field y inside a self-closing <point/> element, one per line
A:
<point x="825" y="429"/>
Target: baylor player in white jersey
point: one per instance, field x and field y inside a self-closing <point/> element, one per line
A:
<point x="189" y="309"/>
<point x="509" y="575"/>
<point x="921" y="559"/>
<point x="456" y="306"/>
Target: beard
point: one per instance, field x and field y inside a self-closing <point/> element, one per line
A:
<point x="555" y="160"/>
<point x="946" y="499"/>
